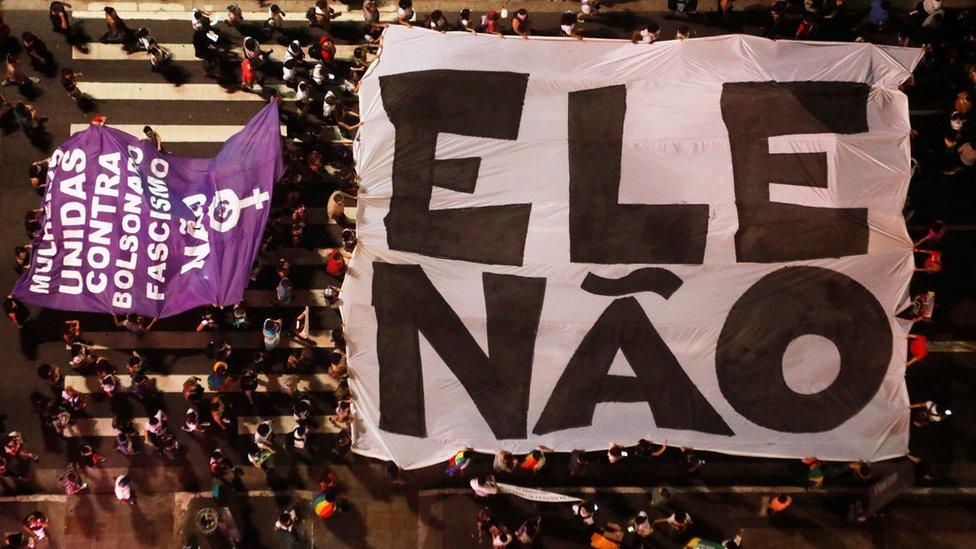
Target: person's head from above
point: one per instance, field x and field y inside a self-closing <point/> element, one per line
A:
<point x="680" y="516"/>
<point x="782" y="499"/>
<point x="153" y="421"/>
<point x="653" y="29"/>
<point x="109" y="10"/>
<point x="285" y="519"/>
<point x="125" y="480"/>
<point x="122" y="438"/>
<point x="11" y="58"/>
<point x="344" y="405"/>
<point x="951" y="138"/>
<point x="465" y="14"/>
<point x="522" y="14"/>
<point x="615" y="451"/>
<point x="302" y="407"/>
<point x="220" y="368"/>
<point x="132" y="317"/>
<point x="269" y="324"/>
<point x="436" y="16"/>
<point x="28" y="38"/>
<point x="264" y="429"/>
<point x="139" y="379"/>
<point x="275" y="9"/>
<point x="289" y="64"/>
<point x="300" y="430"/>
<point x="336" y="357"/>
<point x="405" y="4"/>
<point x="536" y="454"/>
<point x="493" y="15"/>
<point x="250" y="43"/>
<point x="45" y="371"/>
<point x="482" y="479"/>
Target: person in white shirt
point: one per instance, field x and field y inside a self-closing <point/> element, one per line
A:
<point x="484" y="486"/>
<point x="264" y="435"/>
<point x="123" y="490"/>
<point x="276" y="18"/>
<point x="303" y="92"/>
<point x="289" y="71"/>
<point x="647" y="35"/>
<point x="405" y="12"/>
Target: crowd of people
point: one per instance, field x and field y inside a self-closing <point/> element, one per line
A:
<point x="317" y="152"/>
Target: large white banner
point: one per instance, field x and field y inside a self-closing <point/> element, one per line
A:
<point x="571" y="243"/>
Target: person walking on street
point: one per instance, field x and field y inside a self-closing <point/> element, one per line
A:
<point x="35" y="525"/>
<point x="123" y="490"/>
<point x="117" y="32"/>
<point x="13" y="73"/>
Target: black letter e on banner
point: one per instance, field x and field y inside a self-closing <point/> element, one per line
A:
<point x="422" y="105"/>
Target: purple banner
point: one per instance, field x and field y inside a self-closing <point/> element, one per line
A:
<point x="129" y="229"/>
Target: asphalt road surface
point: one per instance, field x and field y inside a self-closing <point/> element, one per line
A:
<point x="195" y="116"/>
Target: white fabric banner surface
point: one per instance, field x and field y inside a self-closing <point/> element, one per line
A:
<point x="570" y="243"/>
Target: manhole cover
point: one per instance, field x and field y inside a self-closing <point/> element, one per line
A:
<point x="206" y="521"/>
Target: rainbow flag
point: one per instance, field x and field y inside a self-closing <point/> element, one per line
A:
<point x="322" y="506"/>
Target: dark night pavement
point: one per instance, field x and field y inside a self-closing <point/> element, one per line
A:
<point x="410" y="516"/>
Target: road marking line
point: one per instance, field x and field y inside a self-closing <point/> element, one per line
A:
<point x="164" y="91"/>
<point x="173" y="383"/>
<point x="285" y="424"/>
<point x="952" y="346"/>
<point x="947" y="227"/>
<point x="194" y="340"/>
<point x="184" y="52"/>
<point x="299" y="256"/>
<point x="179" y="133"/>
<point x="301" y="298"/>
<point x="950" y="491"/>
<point x="102" y="426"/>
<point x="138" y="12"/>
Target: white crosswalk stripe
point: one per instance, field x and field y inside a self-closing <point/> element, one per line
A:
<point x="102" y="426"/>
<point x="164" y="91"/>
<point x="173" y="383"/>
<point x="177" y="12"/>
<point x="194" y="340"/>
<point x="179" y="133"/>
<point x="181" y="52"/>
<point x="184" y="349"/>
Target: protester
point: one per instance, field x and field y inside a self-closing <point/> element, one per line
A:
<point x="123" y="490"/>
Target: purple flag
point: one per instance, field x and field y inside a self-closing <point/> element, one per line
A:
<point x="128" y="229"/>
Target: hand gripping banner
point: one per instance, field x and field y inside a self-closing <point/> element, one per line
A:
<point x="567" y="243"/>
<point x="129" y="229"/>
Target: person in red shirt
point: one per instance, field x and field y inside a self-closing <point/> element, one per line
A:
<point x="917" y="348"/>
<point x="247" y="74"/>
<point x="335" y="265"/>
<point x="490" y="24"/>
<point x="932" y="263"/>
<point x="327" y="49"/>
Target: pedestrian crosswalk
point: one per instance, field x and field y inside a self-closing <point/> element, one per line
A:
<point x="195" y="116"/>
<point x="157" y="339"/>
<point x="173" y="383"/>
<point x="179" y="133"/>
<point x="165" y="91"/>
<point x="153" y="11"/>
<point x="182" y="52"/>
<point x="102" y="427"/>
